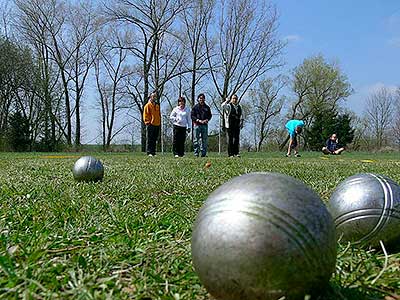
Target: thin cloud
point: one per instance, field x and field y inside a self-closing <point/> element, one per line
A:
<point x="373" y="88"/>
<point x="292" y="38"/>
<point x="394" y="42"/>
<point x="394" y="19"/>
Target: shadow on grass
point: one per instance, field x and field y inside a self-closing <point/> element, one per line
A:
<point x="337" y="292"/>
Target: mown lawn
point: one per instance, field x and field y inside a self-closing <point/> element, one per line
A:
<point x="128" y="237"/>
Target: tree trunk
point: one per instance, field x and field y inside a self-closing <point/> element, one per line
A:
<point x="67" y="108"/>
<point x="143" y="137"/>
<point x="193" y="87"/>
<point x="78" y="125"/>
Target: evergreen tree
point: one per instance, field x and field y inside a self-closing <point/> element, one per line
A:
<point x="343" y="129"/>
<point x="325" y="124"/>
<point x="18" y="132"/>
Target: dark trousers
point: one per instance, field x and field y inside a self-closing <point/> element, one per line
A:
<point x="152" y="136"/>
<point x="178" y="142"/>
<point x="233" y="140"/>
<point x="294" y="142"/>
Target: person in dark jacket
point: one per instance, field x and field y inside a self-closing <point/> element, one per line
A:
<point x="233" y="122"/>
<point x="332" y="146"/>
<point x="201" y="115"/>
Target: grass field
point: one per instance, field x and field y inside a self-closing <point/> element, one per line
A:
<point x="128" y="237"/>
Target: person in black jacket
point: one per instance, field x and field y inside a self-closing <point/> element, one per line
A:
<point x="332" y="146"/>
<point x="233" y="122"/>
<point x="201" y="115"/>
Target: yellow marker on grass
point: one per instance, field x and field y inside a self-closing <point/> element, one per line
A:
<point x="367" y="160"/>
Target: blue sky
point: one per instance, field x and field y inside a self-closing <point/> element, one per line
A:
<point x="362" y="36"/>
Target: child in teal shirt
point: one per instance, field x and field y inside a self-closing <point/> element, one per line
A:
<point x="294" y="127"/>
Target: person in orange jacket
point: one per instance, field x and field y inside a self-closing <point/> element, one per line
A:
<point x="152" y="120"/>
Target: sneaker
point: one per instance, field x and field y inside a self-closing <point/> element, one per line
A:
<point x="297" y="155"/>
<point x="176" y="155"/>
<point x="237" y="155"/>
<point x="150" y="154"/>
<point x="287" y="155"/>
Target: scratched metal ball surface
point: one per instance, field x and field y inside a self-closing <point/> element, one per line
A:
<point x="88" y="168"/>
<point x="366" y="209"/>
<point x="263" y="236"/>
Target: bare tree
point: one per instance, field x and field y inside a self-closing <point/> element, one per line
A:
<point x="83" y="24"/>
<point x="196" y="19"/>
<point x="33" y="19"/>
<point x="151" y="22"/>
<point x="5" y="17"/>
<point x="246" y="45"/>
<point x="54" y="18"/>
<point x="362" y="136"/>
<point x="110" y="70"/>
<point x="8" y="55"/>
<point x="71" y="28"/>
<point x="65" y="32"/>
<point x="396" y="124"/>
<point x="379" y="113"/>
<point x="268" y="103"/>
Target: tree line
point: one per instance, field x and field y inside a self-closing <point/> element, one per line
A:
<point x="62" y="60"/>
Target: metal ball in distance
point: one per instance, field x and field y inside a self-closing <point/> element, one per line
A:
<point x="263" y="236"/>
<point x="366" y="209"/>
<point x="88" y="169"/>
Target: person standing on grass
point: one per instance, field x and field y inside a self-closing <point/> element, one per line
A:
<point x="201" y="115"/>
<point x="152" y="120"/>
<point x="332" y="146"/>
<point x="233" y="121"/>
<point x="181" y="119"/>
<point x="294" y="127"/>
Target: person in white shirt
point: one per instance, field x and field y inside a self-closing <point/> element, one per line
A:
<point x="181" y="119"/>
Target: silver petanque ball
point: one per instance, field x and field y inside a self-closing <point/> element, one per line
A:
<point x="366" y="209"/>
<point x="88" y="168"/>
<point x="263" y="236"/>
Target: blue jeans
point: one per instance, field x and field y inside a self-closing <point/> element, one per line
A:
<point x="200" y="141"/>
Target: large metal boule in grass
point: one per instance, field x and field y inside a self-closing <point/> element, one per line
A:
<point x="263" y="236"/>
<point x="366" y="209"/>
<point x="88" y="168"/>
